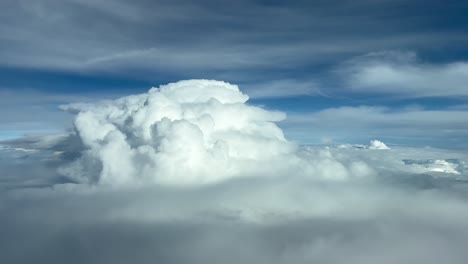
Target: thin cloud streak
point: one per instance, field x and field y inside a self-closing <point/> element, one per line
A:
<point x="115" y="37"/>
<point x="444" y="128"/>
<point x="401" y="74"/>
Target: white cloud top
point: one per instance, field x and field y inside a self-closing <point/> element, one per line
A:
<point x="375" y="144"/>
<point x="194" y="131"/>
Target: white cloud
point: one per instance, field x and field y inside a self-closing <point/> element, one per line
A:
<point x="189" y="132"/>
<point x="402" y="74"/>
<point x="375" y="144"/>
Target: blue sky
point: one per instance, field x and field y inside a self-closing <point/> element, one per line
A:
<point x="344" y="71"/>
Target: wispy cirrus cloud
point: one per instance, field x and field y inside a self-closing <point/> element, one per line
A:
<point x="282" y="88"/>
<point x="116" y="37"/>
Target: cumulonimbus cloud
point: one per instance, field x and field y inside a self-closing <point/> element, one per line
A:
<point x="194" y="131"/>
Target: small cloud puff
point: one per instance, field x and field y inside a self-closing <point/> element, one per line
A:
<point x="375" y="144"/>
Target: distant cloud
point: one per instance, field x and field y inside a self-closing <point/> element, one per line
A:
<point x="402" y="74"/>
<point x="376" y="144"/>
<point x="31" y="111"/>
<point x="397" y="125"/>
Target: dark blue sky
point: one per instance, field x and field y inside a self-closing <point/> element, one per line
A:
<point x="391" y="70"/>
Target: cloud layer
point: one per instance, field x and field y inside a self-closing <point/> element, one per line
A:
<point x="158" y="36"/>
<point x="410" y="212"/>
<point x="189" y="172"/>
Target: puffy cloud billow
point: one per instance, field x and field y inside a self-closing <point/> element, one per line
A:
<point x="189" y="132"/>
<point x="191" y="173"/>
